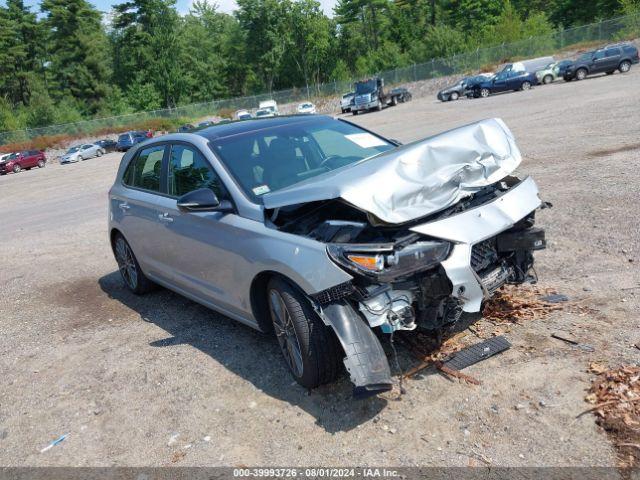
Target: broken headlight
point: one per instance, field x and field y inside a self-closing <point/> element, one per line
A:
<point x="385" y="262"/>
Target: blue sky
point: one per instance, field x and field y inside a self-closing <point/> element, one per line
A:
<point x="183" y="5"/>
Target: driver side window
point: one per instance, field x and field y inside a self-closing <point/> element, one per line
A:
<point x="189" y="171"/>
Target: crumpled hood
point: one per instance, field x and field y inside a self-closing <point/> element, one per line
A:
<point x="418" y="179"/>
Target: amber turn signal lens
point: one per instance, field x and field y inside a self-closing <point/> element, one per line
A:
<point x="372" y="263"/>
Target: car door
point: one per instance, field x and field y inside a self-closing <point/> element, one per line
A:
<point x="612" y="58"/>
<point x="87" y="151"/>
<point x="138" y="209"/>
<point x="199" y="245"/>
<point x="500" y="82"/>
<point x="599" y="62"/>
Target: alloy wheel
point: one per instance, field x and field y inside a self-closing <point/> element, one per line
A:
<point x="624" y="67"/>
<point x="285" y="332"/>
<point x="484" y="93"/>
<point x="126" y="263"/>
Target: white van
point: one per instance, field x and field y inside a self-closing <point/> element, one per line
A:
<point x="269" y="105"/>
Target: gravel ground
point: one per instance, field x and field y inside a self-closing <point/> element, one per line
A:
<point x="160" y="380"/>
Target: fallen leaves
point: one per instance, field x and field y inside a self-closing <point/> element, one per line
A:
<point x="615" y="395"/>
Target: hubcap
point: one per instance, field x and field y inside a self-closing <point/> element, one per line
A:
<point x="624" y="67"/>
<point x="126" y="263"/>
<point x="286" y="334"/>
<point x="484" y="93"/>
<point x="581" y="74"/>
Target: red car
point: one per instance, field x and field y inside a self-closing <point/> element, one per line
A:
<point x="26" y="159"/>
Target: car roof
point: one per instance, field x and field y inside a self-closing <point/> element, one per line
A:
<point x="242" y="126"/>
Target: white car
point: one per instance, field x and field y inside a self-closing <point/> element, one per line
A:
<point x="265" y="113"/>
<point x="82" y="152"/>
<point x="3" y="157"/>
<point x="243" y="115"/>
<point x="306" y="107"/>
<point x="346" y="101"/>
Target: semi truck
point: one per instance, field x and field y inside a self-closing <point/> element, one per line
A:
<point x="370" y="94"/>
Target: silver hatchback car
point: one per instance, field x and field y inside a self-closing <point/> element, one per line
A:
<point x="323" y="232"/>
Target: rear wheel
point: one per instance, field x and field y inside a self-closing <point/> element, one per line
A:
<point x="309" y="347"/>
<point x="41" y="163"/>
<point x="624" y="66"/>
<point x="581" y="74"/>
<point x="547" y="79"/>
<point x="17" y="168"/>
<point x="130" y="270"/>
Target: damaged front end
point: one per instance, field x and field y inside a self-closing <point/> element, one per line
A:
<point x="433" y="272"/>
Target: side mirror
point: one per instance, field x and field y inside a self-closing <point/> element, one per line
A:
<point x="203" y="200"/>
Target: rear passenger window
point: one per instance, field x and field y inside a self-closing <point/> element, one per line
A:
<point x="144" y="170"/>
<point x="612" y="52"/>
<point x="189" y="171"/>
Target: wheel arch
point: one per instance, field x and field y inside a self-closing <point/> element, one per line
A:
<point x="258" y="297"/>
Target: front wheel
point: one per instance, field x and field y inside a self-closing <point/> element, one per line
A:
<point x="581" y="74"/>
<point x="41" y="163"/>
<point x="547" y="79"/>
<point x="484" y="92"/>
<point x="17" y="168"/>
<point x="309" y="347"/>
<point x="454" y="96"/>
<point x="80" y="158"/>
<point x="130" y="270"/>
<point x="525" y="86"/>
<point x="99" y="153"/>
<point x="624" y="66"/>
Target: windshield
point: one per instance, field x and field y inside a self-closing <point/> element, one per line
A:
<point x="306" y="105"/>
<point x="365" y="87"/>
<point x="262" y="113"/>
<point x="124" y="137"/>
<point x="273" y="158"/>
<point x="73" y="149"/>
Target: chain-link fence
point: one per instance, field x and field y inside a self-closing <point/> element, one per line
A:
<point x="614" y="29"/>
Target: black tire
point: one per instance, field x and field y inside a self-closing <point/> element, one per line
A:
<point x="547" y="79"/>
<point x="394" y="101"/>
<point x="525" y="86"/>
<point x="99" y="153"/>
<point x="41" y="163"/>
<point x="611" y="72"/>
<point x="624" y="66"/>
<point x="130" y="270"/>
<point x="319" y="352"/>
<point x="379" y="106"/>
<point x="343" y="111"/>
<point x="354" y="112"/>
<point x="80" y="158"/>
<point x="454" y="96"/>
<point x="17" y="168"/>
<point x="581" y="74"/>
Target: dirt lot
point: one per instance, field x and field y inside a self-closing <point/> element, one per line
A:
<point x="160" y="380"/>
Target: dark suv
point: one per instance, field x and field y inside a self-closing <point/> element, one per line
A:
<point x="129" y="139"/>
<point x="604" y="60"/>
<point x="27" y="159"/>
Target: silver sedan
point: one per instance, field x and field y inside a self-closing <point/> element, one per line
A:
<point x="82" y="152"/>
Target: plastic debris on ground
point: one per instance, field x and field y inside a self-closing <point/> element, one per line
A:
<point x="54" y="443"/>
<point x="615" y="395"/>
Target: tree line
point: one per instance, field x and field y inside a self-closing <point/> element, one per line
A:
<point x="67" y="61"/>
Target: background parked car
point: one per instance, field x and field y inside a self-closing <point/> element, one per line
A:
<point x="604" y="60"/>
<point x="206" y="123"/>
<point x="185" y="128"/>
<point x="270" y="105"/>
<point x="347" y="101"/>
<point x="243" y="115"/>
<point x="306" y="107"/>
<point x="107" y="145"/>
<point x="129" y="139"/>
<point x="26" y="159"/>
<point x="552" y="72"/>
<point x="459" y="89"/>
<point x="505" y="81"/>
<point x="264" y="113"/>
<point x="82" y="152"/>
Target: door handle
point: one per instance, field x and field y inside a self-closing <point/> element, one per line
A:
<point x="164" y="217"/>
<point x="124" y="206"/>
